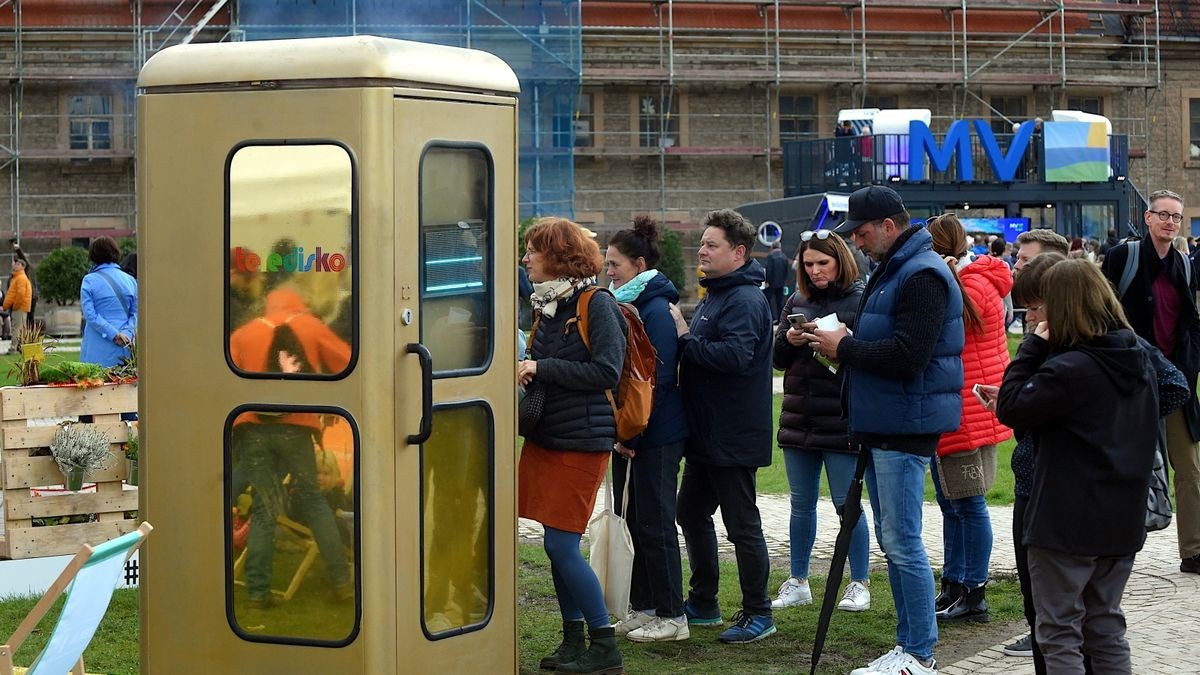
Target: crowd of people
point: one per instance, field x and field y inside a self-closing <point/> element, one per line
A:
<point x="908" y="368"/>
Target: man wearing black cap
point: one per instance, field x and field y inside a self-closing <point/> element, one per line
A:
<point x="904" y="390"/>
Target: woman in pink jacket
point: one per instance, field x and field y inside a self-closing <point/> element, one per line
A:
<point x="966" y="459"/>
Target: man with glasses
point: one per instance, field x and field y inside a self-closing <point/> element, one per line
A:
<point x="1158" y="292"/>
<point x="904" y="385"/>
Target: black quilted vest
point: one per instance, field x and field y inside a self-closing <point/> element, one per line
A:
<point x="573" y="419"/>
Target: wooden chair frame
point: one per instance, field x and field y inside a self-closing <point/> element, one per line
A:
<point x="56" y="589"/>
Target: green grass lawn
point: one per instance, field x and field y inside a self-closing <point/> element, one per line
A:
<point x="113" y="651"/>
<point x="8" y="377"/>
<point x="854" y="639"/>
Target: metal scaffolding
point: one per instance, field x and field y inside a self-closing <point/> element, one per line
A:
<point x="952" y="49"/>
<point x="955" y="50"/>
<point x="541" y="40"/>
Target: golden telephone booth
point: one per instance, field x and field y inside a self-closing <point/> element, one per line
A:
<point x="328" y="356"/>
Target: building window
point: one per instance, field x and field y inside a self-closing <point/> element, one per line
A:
<point x="1087" y="104"/>
<point x="91" y="122"/>
<point x="1006" y="111"/>
<point x="658" y="121"/>
<point x="1193" y="129"/>
<point x="573" y="127"/>
<point x="797" y="117"/>
<point x="881" y="102"/>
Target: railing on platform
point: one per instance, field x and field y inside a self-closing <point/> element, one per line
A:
<point x="851" y="161"/>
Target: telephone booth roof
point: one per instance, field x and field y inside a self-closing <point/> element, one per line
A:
<point x="359" y="57"/>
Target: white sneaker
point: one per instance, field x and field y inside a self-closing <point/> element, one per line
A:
<point x="791" y="593"/>
<point x="633" y="620"/>
<point x="661" y="630"/>
<point x="880" y="662"/>
<point x="905" y="664"/>
<point x="856" y="598"/>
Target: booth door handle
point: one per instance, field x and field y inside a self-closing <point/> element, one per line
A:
<point x="426" y="393"/>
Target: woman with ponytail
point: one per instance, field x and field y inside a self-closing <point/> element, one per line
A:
<point x="656" y="592"/>
<point x="966" y="459"/>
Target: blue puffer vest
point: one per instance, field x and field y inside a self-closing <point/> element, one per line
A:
<point x="930" y="403"/>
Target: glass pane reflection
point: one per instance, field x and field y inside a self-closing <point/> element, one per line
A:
<point x="456" y="256"/>
<point x="290" y="266"/>
<point x="291" y="532"/>
<point x="457" y="500"/>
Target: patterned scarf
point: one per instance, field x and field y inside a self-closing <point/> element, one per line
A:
<point x="546" y="294"/>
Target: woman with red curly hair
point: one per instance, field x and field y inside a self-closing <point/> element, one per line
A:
<point x="567" y="446"/>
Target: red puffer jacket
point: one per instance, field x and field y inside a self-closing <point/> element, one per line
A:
<point x="985" y="356"/>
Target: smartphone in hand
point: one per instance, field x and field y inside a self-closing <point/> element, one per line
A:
<point x="796" y="320"/>
<point x="983" y="399"/>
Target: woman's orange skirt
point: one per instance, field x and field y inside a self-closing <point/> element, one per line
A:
<point x="558" y="488"/>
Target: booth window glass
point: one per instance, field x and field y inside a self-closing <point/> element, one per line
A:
<point x="456" y="258"/>
<point x="289" y="299"/>
<point x="291" y="506"/>
<point x="457" y="520"/>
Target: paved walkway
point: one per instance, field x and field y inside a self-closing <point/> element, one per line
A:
<point x="1162" y="605"/>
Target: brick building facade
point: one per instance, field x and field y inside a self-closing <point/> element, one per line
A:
<point x="683" y="105"/>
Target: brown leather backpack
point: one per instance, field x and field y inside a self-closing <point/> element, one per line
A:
<point x="635" y="394"/>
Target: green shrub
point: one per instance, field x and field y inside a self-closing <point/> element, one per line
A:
<point x="61" y="274"/>
<point x="671" y="264"/>
<point x="128" y="245"/>
<point x="521" y="228"/>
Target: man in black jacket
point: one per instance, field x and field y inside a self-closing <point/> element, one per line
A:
<point x="725" y="377"/>
<point x="777" y="272"/>
<point x="1159" y="299"/>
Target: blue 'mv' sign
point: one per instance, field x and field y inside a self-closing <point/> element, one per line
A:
<point x="921" y="143"/>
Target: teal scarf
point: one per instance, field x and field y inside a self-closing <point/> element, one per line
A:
<point x="634" y="287"/>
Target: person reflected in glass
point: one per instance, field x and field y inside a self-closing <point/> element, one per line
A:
<point x="270" y="447"/>
<point x="455" y="491"/>
<point x="108" y="298"/>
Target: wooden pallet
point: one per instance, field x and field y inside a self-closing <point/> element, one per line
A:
<point x="19" y="472"/>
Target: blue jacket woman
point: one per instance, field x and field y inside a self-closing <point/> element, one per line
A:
<point x="108" y="298"/>
<point x="656" y="591"/>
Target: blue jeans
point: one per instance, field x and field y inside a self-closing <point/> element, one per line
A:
<point x="896" y="482"/>
<point x="266" y="453"/>
<point x="804" y="479"/>
<point x="967" y="532"/>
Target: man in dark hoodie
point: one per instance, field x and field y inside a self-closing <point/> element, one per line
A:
<point x="725" y="377"/>
<point x="904" y="391"/>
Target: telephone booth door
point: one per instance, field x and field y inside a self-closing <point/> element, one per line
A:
<point x="455" y="238"/>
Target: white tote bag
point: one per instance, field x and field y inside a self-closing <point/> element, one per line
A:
<point x="612" y="549"/>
